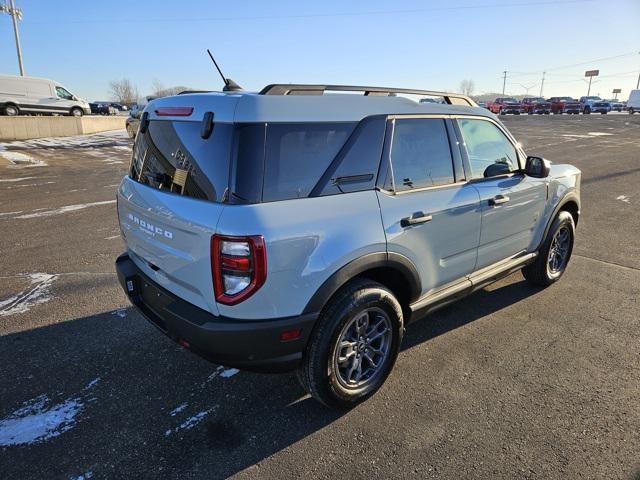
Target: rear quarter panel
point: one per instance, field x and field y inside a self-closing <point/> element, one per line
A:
<point x="307" y="240"/>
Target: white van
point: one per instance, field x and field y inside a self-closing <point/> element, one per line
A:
<point x="21" y="95"/>
<point x="633" y="104"/>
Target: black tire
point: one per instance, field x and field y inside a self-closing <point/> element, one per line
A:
<point x="76" y="112"/>
<point x="11" y="110"/>
<point x="318" y="375"/>
<point x="539" y="272"/>
<point x="631" y="111"/>
<point x="586" y="111"/>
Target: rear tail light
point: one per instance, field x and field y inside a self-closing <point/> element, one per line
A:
<point x="238" y="267"/>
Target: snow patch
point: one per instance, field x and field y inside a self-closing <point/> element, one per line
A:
<point x="20" y="159"/>
<point x="19" y="179"/>
<point x="229" y="372"/>
<point x="37" y="422"/>
<point x="178" y="409"/>
<point x="65" y="209"/>
<point x="221" y="371"/>
<point x="190" y="422"/>
<point x="599" y="134"/>
<point x="112" y="237"/>
<point x="38" y="292"/>
<point x="121" y="312"/>
<point x="623" y="198"/>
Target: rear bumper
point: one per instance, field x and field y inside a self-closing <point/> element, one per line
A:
<point x="247" y="344"/>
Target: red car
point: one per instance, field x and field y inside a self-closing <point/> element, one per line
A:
<point x="504" y="105"/>
<point x="560" y="105"/>
<point x="532" y="105"/>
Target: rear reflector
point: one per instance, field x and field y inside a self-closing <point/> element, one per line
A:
<point x="174" y="111"/>
<point x="288" y="335"/>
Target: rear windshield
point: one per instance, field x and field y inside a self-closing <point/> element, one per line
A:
<point x="172" y="156"/>
<point x="277" y="161"/>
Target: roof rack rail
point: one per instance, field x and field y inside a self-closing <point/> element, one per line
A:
<point x="309" y="89"/>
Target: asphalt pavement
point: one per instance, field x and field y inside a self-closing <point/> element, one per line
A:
<point x="511" y="382"/>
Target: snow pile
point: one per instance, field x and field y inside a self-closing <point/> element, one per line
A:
<point x="37" y="292"/>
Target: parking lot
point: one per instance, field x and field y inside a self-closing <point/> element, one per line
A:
<point x="511" y="382"/>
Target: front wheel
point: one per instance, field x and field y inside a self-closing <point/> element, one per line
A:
<point x="77" y="112"/>
<point x="354" y="346"/>
<point x="11" y="110"/>
<point x="553" y="257"/>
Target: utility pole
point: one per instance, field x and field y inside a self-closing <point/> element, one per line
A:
<point x="542" y="84"/>
<point x="504" y="81"/>
<point x="16" y="14"/>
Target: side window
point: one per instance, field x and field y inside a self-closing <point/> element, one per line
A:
<point x="490" y="151"/>
<point x="360" y="159"/>
<point x="296" y="156"/>
<point x="420" y="154"/>
<point x="62" y="93"/>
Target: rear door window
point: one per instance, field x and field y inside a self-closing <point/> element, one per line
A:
<point x="420" y="154"/>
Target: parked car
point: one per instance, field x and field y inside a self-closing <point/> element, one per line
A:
<point x="119" y="107"/>
<point x="533" y="105"/>
<point x="24" y="95"/>
<point x="132" y="123"/>
<point x="616" y="105"/>
<point x="102" y="109"/>
<point x="633" y="104"/>
<point x="277" y="232"/>
<point x="482" y="104"/>
<point x="560" y="105"/>
<point x="602" y="106"/>
<point x="505" y="105"/>
<point x="586" y="103"/>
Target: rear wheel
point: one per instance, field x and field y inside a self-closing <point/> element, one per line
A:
<point x="587" y="110"/>
<point x="11" y="110"/>
<point x="631" y="111"/>
<point x="354" y="346"/>
<point x="553" y="257"/>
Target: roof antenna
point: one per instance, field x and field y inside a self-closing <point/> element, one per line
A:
<point x="229" y="85"/>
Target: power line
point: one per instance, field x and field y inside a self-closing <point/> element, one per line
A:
<point x="321" y="15"/>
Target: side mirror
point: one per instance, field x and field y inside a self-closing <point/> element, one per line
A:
<point x="537" y="167"/>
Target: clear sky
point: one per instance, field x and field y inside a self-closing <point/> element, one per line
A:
<point x="405" y="43"/>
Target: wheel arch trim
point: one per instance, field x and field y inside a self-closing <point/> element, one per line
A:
<point x="568" y="198"/>
<point x="360" y="265"/>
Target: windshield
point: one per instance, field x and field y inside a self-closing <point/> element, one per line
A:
<point x="510" y="100"/>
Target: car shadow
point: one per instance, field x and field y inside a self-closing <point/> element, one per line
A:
<point x="152" y="408"/>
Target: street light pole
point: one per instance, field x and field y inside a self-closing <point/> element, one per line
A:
<point x="542" y="84"/>
<point x="504" y="82"/>
<point x="14" y="16"/>
<point x="589" y="89"/>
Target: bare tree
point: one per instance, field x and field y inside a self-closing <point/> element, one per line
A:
<point x="467" y="87"/>
<point x="123" y="91"/>
<point x="159" y="90"/>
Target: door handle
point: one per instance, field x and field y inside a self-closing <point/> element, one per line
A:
<point x="498" y="200"/>
<point x="416" y="218"/>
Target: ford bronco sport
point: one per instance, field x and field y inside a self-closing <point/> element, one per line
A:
<point x="294" y="229"/>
